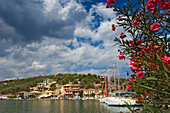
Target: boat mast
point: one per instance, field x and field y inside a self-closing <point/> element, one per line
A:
<point x="105" y="92"/>
<point x="118" y="81"/>
<point x="115" y="82"/>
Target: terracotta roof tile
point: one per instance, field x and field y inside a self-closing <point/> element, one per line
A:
<point x="77" y="85"/>
<point x="6" y="95"/>
<point x="91" y="89"/>
<point x="22" y="92"/>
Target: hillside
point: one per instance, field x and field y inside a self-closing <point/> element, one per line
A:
<point x="87" y="80"/>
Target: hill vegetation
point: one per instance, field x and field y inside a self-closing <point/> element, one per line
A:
<point x="87" y="80"/>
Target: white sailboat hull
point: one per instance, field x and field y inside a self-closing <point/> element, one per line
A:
<point x="115" y="101"/>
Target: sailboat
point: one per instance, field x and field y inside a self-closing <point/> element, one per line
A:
<point x="117" y="100"/>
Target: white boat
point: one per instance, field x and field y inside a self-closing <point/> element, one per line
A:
<point x="101" y="99"/>
<point x="116" y="101"/>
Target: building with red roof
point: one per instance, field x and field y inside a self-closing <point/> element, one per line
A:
<point x="76" y="87"/>
<point x="23" y="94"/>
<point x="69" y="92"/>
<point x="5" y="96"/>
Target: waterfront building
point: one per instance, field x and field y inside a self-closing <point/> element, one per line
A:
<point x="76" y="87"/>
<point x="33" y="88"/>
<point x="5" y="96"/>
<point x="40" y="84"/>
<point x="23" y="94"/>
<point x="43" y="88"/>
<point x="67" y="87"/>
<point x="47" y="81"/>
<point x="36" y="93"/>
<point x="69" y="92"/>
<point x="46" y="94"/>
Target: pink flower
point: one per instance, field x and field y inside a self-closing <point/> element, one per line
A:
<point x="132" y="65"/>
<point x="153" y="65"/>
<point x="121" y="56"/>
<point x="166" y="60"/>
<point x="141" y="51"/>
<point x="131" y="79"/>
<point x="150" y="7"/>
<point x="147" y="92"/>
<point x="110" y="1"/>
<point x="155" y="27"/>
<point x="122" y="36"/>
<point x="151" y="1"/>
<point x="139" y="42"/>
<point x="129" y="87"/>
<point x="113" y="27"/>
<point x="145" y="48"/>
<point x="166" y="6"/>
<point x="135" y="23"/>
<point x="150" y="64"/>
<point x="157" y="1"/>
<point x="140" y="74"/>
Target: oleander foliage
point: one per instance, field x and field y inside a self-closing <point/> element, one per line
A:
<point x="147" y="22"/>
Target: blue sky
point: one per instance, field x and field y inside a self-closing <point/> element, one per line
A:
<point x="42" y="37"/>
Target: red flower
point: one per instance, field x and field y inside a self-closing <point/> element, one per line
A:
<point x="151" y="1"/>
<point x="110" y="1"/>
<point x="117" y="18"/>
<point x="166" y="6"/>
<point x="121" y="56"/>
<point x="166" y="60"/>
<point x="129" y="87"/>
<point x="135" y="23"/>
<point x="158" y="1"/>
<point x="107" y="6"/>
<point x="139" y="42"/>
<point x="140" y="74"/>
<point x="155" y="27"/>
<point x="130" y="43"/>
<point x="160" y="16"/>
<point x="145" y="48"/>
<point x="113" y="27"/>
<point x="131" y="79"/>
<point x="161" y="5"/>
<point x="150" y="7"/>
<point x="141" y="51"/>
<point x="122" y="36"/>
<point x="153" y="65"/>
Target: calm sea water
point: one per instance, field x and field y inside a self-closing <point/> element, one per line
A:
<point x="58" y="106"/>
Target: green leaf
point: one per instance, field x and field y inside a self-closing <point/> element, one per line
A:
<point x="135" y="13"/>
<point x="151" y="79"/>
<point x="164" y="101"/>
<point x="161" y="64"/>
<point x="115" y="44"/>
<point x="168" y="111"/>
<point x="128" y="106"/>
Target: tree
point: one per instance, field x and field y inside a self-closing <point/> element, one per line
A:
<point x="147" y="23"/>
<point x="81" y="94"/>
<point x="75" y="81"/>
<point x="53" y="86"/>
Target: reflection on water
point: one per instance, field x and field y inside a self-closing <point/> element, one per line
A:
<point x="58" y="106"/>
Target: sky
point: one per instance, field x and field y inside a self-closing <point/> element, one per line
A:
<point x="43" y="37"/>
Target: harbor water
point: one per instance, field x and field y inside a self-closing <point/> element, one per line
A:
<point x="58" y="106"/>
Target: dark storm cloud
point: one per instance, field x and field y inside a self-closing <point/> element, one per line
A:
<point x="30" y="23"/>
